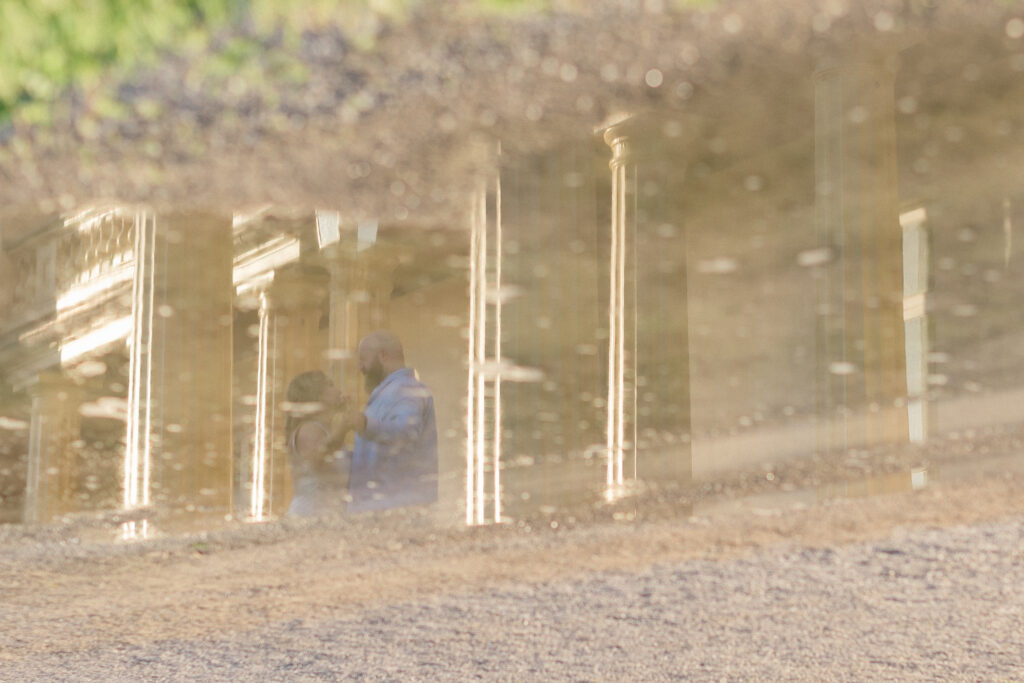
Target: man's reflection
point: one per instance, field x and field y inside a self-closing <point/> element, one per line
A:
<point x="394" y="461"/>
<point x="316" y="428"/>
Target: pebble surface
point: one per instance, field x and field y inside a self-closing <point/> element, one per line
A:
<point x="925" y="604"/>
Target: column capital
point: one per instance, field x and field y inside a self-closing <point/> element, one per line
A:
<point x="649" y="135"/>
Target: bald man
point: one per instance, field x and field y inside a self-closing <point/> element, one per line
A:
<point x="394" y="461"/>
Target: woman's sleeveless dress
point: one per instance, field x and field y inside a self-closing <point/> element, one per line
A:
<point x="312" y="494"/>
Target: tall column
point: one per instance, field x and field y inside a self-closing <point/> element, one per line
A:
<point x="179" y="429"/>
<point x="861" y="352"/>
<point x="359" y="302"/>
<point x="484" y="357"/>
<point x="293" y="339"/>
<point x="622" y="313"/>
<point x="54" y="428"/>
<point x="648" y="346"/>
<point x="916" y="267"/>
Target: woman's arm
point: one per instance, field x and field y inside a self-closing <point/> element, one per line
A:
<point x="314" y="443"/>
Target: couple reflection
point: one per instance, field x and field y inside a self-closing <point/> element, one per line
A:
<point x="393" y="461"/>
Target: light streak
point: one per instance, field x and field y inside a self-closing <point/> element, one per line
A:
<point x="256" y="509"/>
<point x="497" y="349"/>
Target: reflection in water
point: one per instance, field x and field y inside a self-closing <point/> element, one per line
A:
<point x="483" y="390"/>
<point x="138" y="454"/>
<point x="606" y="315"/>
<point x="915" y="317"/>
<point x="617" y="270"/>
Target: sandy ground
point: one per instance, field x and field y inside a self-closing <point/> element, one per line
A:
<point x="921" y="585"/>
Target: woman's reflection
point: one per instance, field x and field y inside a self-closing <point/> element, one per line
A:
<point x="316" y="430"/>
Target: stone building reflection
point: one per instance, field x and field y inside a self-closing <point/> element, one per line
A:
<point x="145" y="355"/>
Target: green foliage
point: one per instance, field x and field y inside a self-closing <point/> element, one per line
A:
<point x="49" y="45"/>
<point x="513" y="6"/>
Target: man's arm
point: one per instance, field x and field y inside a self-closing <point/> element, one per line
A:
<point x="402" y="422"/>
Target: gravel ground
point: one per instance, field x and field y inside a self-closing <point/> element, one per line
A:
<point x="923" y="604"/>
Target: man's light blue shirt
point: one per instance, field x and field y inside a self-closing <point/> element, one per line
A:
<point x="394" y="462"/>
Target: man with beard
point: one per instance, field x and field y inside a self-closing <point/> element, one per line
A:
<point x="394" y="461"/>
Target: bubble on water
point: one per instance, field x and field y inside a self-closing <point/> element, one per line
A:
<point x="109" y="407"/>
<point x="457" y="262"/>
<point x="733" y="23"/>
<point x="573" y="179"/>
<point x="842" y="368"/>
<point x="654" y="78"/>
<point x="884" y="21"/>
<point x="165" y="311"/>
<point x="723" y="265"/>
<point x="667" y="230"/>
<point x="684" y="90"/>
<point x="448" y="321"/>
<point x="858" y="115"/>
<point x="487" y="118"/>
<point x="689" y="54"/>
<point x="92" y="368"/>
<point x="511" y="372"/>
<point x="12" y="424"/>
<point x="972" y="72"/>
<point x="907" y="104"/>
<point x="1015" y="28"/>
<point x="815" y="257"/>
<point x="503" y="294"/>
<point x="966" y="235"/>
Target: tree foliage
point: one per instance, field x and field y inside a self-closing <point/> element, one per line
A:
<point x="49" y="46"/>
